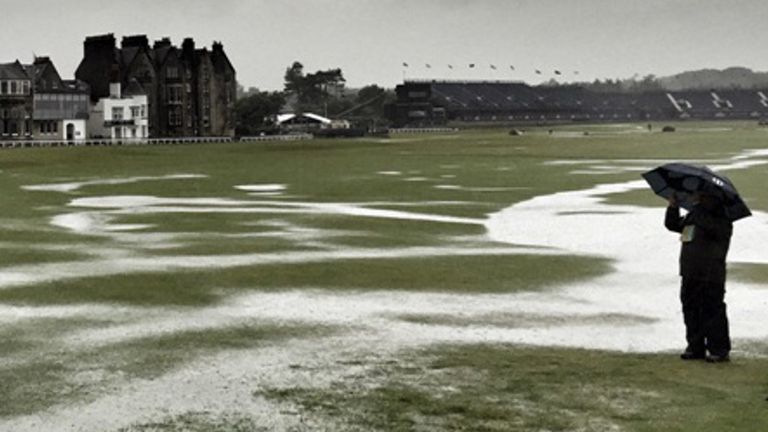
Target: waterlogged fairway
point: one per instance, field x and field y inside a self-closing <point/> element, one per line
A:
<point x="502" y="388"/>
<point x="285" y="285"/>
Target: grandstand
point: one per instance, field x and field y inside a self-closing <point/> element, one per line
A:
<point x="435" y="103"/>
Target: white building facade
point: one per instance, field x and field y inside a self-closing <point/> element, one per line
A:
<point x="120" y="117"/>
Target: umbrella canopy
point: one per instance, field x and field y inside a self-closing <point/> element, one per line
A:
<point x="683" y="180"/>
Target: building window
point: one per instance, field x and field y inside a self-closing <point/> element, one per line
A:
<point x="172" y="72"/>
<point x="117" y="113"/>
<point x="174" y="117"/>
<point x="25" y="87"/>
<point x="206" y="73"/>
<point x="49" y="127"/>
<point x="3" y="87"/>
<point x="14" y="87"/>
<point x="135" y="112"/>
<point x="174" y="94"/>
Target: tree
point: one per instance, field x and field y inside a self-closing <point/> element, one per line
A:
<point x="371" y="100"/>
<point x="254" y="111"/>
<point x="315" y="91"/>
<point x="294" y="78"/>
<point x="243" y="92"/>
<point x="372" y="95"/>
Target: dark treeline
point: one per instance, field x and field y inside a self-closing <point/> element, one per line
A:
<point x="321" y="92"/>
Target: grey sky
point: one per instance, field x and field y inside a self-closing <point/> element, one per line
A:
<point x="370" y="39"/>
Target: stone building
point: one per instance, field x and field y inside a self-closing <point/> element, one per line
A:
<point x="190" y="91"/>
<point x="35" y="103"/>
<point x="60" y="107"/>
<point x="15" y="101"/>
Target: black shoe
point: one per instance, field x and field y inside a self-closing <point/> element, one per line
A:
<point x="691" y="355"/>
<point x="715" y="358"/>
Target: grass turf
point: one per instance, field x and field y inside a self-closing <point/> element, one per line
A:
<point x="513" y="388"/>
<point x="45" y="373"/>
<point x="484" y="170"/>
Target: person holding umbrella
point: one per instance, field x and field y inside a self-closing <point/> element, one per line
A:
<point x="705" y="234"/>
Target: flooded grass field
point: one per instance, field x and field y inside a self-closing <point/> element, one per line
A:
<point x="472" y="280"/>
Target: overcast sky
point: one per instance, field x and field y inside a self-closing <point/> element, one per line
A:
<point x="371" y="39"/>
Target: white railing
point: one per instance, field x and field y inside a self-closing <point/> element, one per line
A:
<point x="110" y="142"/>
<point x="423" y="130"/>
<point x="30" y="143"/>
<point x="291" y="137"/>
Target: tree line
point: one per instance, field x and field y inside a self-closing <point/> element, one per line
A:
<point x="321" y="92"/>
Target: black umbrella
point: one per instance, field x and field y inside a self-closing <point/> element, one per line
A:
<point x="682" y="180"/>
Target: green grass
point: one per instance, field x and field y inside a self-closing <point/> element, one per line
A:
<point x="199" y="422"/>
<point x="513" y="388"/>
<point x="26" y="255"/>
<point x="524" y="320"/>
<point x="458" y="274"/>
<point x="450" y="388"/>
<point x="752" y="273"/>
<point x="56" y="374"/>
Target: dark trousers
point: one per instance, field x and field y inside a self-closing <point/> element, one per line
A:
<point x="706" y="322"/>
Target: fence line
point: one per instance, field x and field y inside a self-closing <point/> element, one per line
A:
<point x="149" y="141"/>
<point x="110" y="142"/>
<point x="423" y="130"/>
<point x="292" y="137"/>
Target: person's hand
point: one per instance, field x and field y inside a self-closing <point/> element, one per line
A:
<point x="672" y="201"/>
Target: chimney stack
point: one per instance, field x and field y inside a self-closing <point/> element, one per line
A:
<point x="95" y="46"/>
<point x="162" y="43"/>
<point x="139" y="41"/>
<point x="114" y="83"/>
<point x="188" y="46"/>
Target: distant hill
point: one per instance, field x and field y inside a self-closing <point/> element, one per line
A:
<point x="733" y="77"/>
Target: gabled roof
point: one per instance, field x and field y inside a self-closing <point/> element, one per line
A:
<point x="127" y="55"/>
<point x="166" y="55"/>
<point x="221" y="61"/>
<point x="134" y="88"/>
<point x="13" y="71"/>
<point x="137" y="57"/>
<point x="159" y="55"/>
<point x="45" y="74"/>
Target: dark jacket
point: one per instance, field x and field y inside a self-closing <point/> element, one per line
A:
<point x="703" y="256"/>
